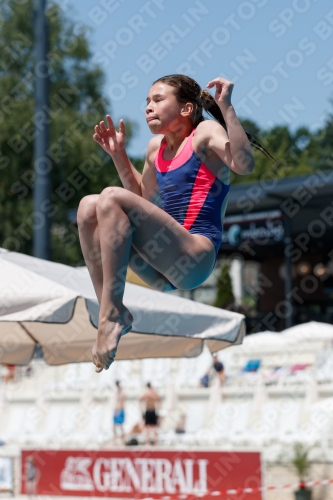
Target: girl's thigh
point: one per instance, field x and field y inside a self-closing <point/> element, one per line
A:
<point x="185" y="259"/>
<point x="147" y="273"/>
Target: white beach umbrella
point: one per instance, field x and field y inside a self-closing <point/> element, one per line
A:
<point x="313" y="331"/>
<point x="263" y="340"/>
<point x="55" y="306"/>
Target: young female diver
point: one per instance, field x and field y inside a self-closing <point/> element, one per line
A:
<point x="188" y="163"/>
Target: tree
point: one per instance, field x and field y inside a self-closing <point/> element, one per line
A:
<point x="294" y="154"/>
<point x="322" y="143"/>
<point x="76" y="104"/>
<point x="224" y="293"/>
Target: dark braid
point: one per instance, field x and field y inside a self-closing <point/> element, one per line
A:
<point x="188" y="90"/>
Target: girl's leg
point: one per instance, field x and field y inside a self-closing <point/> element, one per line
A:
<point x="125" y="219"/>
<point x="148" y="274"/>
<point x="118" y="317"/>
<point x="89" y="240"/>
<point x="91" y="249"/>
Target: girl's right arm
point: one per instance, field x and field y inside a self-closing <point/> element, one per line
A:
<point x="113" y="143"/>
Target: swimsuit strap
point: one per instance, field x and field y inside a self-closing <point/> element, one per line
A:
<point x="163" y="165"/>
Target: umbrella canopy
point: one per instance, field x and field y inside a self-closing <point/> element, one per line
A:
<point x="52" y="305"/>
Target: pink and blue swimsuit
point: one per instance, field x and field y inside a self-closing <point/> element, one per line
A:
<point x="191" y="193"/>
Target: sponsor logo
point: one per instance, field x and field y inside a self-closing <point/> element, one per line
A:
<point x="145" y="475"/>
<point x="75" y="476"/>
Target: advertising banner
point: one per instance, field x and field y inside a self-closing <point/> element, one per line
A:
<point x="259" y="228"/>
<point x="6" y="474"/>
<point x="142" y="473"/>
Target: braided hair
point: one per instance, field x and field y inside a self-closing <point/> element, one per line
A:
<point x="188" y="90"/>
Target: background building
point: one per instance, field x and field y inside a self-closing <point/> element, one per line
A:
<point x="281" y="232"/>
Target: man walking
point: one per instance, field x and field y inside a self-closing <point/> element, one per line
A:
<point x="150" y="400"/>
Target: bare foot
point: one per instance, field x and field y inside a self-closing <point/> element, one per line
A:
<point x="108" y="337"/>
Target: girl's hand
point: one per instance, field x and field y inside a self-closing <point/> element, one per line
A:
<point x="112" y="142"/>
<point x="222" y="92"/>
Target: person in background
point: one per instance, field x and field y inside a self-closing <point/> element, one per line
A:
<point x="28" y="371"/>
<point x="119" y="414"/>
<point x="151" y="402"/>
<point x="31" y="477"/>
<point x="133" y="436"/>
<point x="204" y="381"/>
<point x="219" y="368"/>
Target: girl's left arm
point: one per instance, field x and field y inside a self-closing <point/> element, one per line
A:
<point x="234" y="149"/>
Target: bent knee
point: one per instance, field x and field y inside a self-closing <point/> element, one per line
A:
<point x="86" y="212"/>
<point x="108" y="198"/>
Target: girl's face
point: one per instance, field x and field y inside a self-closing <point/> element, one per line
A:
<point x="163" y="111"/>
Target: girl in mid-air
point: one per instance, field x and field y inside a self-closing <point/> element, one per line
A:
<point x="187" y="172"/>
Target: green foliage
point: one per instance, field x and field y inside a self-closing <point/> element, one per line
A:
<point x="224" y="294"/>
<point x="322" y="144"/>
<point x="300" y="460"/>
<point x="76" y="104"/>
<point x="297" y="153"/>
